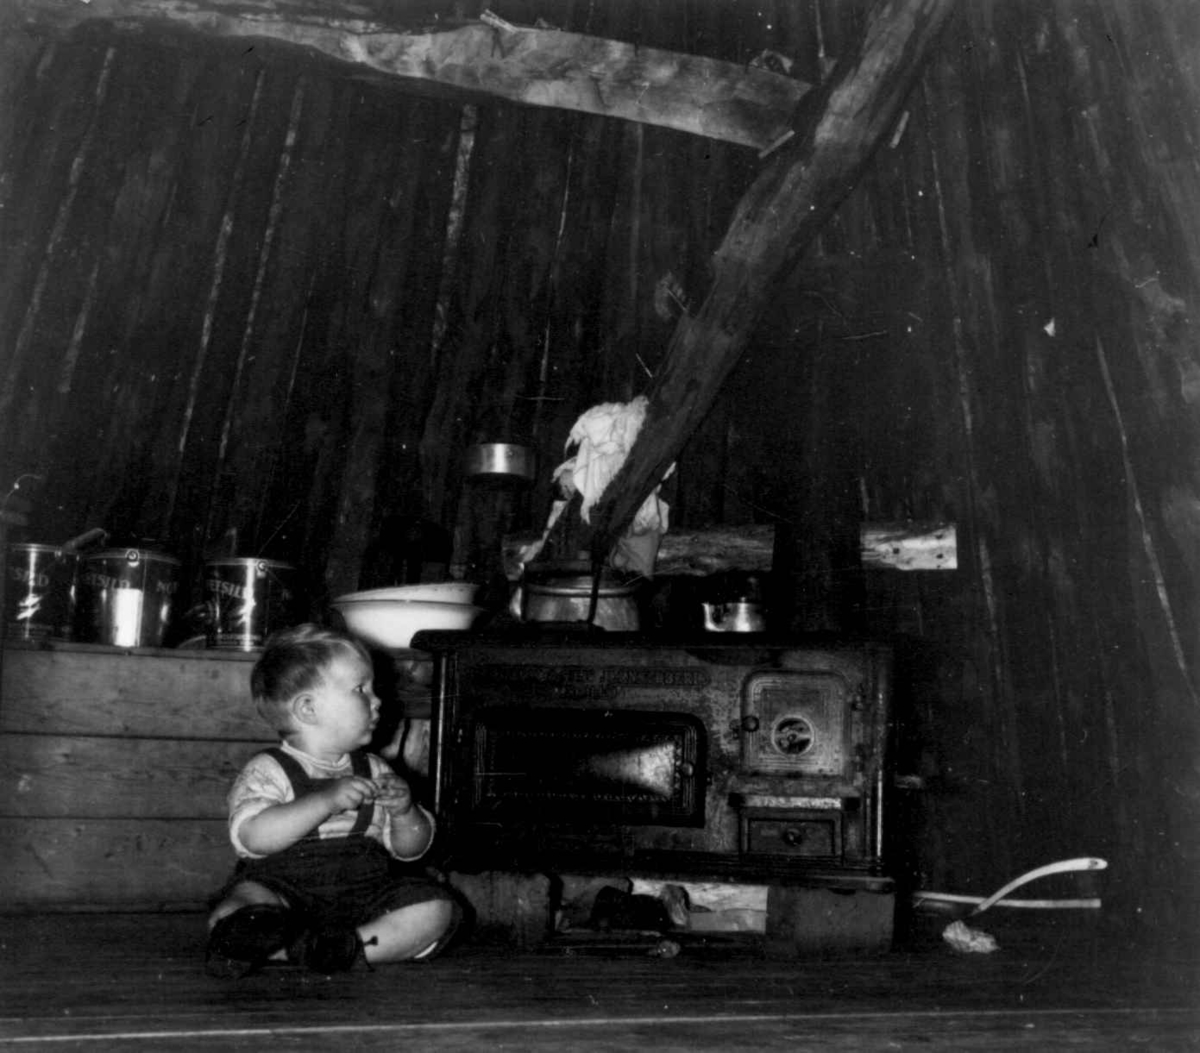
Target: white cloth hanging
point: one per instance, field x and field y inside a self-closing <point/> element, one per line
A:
<point x="601" y="439"/>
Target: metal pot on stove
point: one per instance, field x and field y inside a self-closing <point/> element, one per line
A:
<point x="737" y="617"/>
<point x="735" y="605"/>
<point x="563" y="593"/>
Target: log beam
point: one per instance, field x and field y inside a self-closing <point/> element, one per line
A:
<point x="521" y="64"/>
<point x="909" y="546"/>
<point x="751" y="548"/>
<point x="797" y="191"/>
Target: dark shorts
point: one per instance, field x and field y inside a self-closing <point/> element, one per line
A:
<point x="340" y="881"/>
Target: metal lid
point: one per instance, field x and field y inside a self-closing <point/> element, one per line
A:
<point x="29" y="546"/>
<point x="575" y="575"/>
<point x="131" y="555"/>
<point x="248" y="561"/>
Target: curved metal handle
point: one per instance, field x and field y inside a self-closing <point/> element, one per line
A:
<point x="1062" y="867"/>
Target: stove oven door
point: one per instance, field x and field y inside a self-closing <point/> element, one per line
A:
<point x="586" y="766"/>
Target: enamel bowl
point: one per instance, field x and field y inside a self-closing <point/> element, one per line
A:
<point x="393" y="623"/>
<point x="432" y="591"/>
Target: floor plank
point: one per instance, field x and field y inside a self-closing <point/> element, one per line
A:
<point x="131" y="982"/>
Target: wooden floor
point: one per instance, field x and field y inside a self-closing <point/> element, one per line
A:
<point x="136" y="982"/>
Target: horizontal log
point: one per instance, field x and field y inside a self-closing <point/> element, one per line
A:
<point x="531" y="66"/>
<point x="45" y="776"/>
<point x="910" y="546"/>
<point x="750" y="549"/>
<point x="702" y="552"/>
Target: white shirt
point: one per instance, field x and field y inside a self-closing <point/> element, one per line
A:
<point x="263" y="783"/>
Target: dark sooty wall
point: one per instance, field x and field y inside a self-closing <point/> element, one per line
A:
<point x="245" y="288"/>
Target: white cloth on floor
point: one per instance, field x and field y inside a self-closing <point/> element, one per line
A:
<point x="963" y="938"/>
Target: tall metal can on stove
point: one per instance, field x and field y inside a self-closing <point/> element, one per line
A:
<point x="40" y="593"/>
<point x="247" y="600"/>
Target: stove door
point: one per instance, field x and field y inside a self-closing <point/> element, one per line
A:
<point x="797" y="723"/>
<point x="612" y="766"/>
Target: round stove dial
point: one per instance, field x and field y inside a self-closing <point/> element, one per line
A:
<point x="792" y="735"/>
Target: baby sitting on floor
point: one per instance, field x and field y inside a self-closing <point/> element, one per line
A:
<point x="326" y="833"/>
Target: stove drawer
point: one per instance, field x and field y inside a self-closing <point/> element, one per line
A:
<point x="801" y="834"/>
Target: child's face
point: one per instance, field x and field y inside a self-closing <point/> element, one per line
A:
<point x="344" y="703"/>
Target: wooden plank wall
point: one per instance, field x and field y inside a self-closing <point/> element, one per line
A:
<point x="254" y="320"/>
<point x="114" y="766"/>
<point x="222" y="281"/>
<point x="1027" y="318"/>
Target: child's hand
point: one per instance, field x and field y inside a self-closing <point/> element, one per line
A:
<point x="393" y="793"/>
<point x="342" y="795"/>
<point x="410" y="827"/>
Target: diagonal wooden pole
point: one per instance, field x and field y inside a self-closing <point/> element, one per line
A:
<point x="776" y="219"/>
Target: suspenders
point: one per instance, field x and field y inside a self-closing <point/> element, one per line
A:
<point x="303" y="783"/>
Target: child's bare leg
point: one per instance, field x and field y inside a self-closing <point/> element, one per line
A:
<point x="247" y="894"/>
<point x="247" y="928"/>
<point x="244" y="894"/>
<point x="405" y="933"/>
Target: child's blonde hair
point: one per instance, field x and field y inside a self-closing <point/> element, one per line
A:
<point x="294" y="661"/>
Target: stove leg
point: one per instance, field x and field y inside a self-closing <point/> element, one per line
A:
<point x="816" y="921"/>
<point x="509" y="909"/>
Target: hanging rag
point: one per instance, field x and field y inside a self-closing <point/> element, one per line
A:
<point x="601" y="439"/>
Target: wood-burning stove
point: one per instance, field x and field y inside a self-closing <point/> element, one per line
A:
<point x="721" y="757"/>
